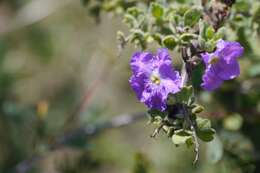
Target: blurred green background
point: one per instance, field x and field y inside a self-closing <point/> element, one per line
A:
<point x="59" y="71"/>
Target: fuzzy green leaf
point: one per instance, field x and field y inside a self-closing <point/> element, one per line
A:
<point x="184" y="95"/>
<point x="169" y="42"/>
<point x="182" y="137"/>
<point x="157" y="10"/>
<point x="204" y="130"/>
<point x="191" y="17"/>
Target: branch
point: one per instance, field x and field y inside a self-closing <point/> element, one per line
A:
<point x="83" y="132"/>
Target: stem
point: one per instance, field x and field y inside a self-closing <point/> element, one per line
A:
<point x="185" y="77"/>
<point x="194" y="135"/>
<point x="157" y="130"/>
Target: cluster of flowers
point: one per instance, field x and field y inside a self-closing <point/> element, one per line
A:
<point x="154" y="77"/>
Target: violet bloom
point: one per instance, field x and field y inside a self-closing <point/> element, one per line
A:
<point x="154" y="78"/>
<point x="222" y="64"/>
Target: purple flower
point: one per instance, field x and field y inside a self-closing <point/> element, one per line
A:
<point x="222" y="64"/>
<point x="154" y="78"/>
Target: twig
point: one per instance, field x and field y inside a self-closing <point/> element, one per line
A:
<point x="157" y="130"/>
<point x="88" y="93"/>
<point x="83" y="132"/>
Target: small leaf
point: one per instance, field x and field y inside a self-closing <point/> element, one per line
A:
<point x="220" y="34"/>
<point x="203" y="123"/>
<point x="130" y="20"/>
<point x="210" y="32"/>
<point x="191" y="17"/>
<point x="155" y="112"/>
<point x="134" y="11"/>
<point x="157" y="10"/>
<point x="182" y="137"/>
<point x="206" y="135"/>
<point x="184" y="95"/>
<point x="169" y="42"/>
<point x="187" y="37"/>
<point x="242" y="6"/>
<point x="197" y="109"/>
<point x="204" y="130"/>
<point x="157" y="37"/>
<point x="256" y="15"/>
<point x="209" y="46"/>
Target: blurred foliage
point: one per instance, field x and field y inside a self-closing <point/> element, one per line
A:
<point x="141" y="164"/>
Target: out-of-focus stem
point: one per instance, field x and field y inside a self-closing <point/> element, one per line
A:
<point x="83" y="132"/>
<point x="185" y="77"/>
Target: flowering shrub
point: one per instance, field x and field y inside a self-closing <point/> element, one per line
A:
<point x="197" y="31"/>
<point x="189" y="67"/>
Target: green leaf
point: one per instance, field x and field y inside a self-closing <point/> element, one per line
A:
<point x="155" y="112"/>
<point x="220" y="33"/>
<point x="197" y="109"/>
<point x="157" y="37"/>
<point x="204" y="130"/>
<point x="157" y="10"/>
<point x="191" y="17"/>
<point x="242" y="6"/>
<point x="209" y="46"/>
<point x="134" y="11"/>
<point x="182" y="137"/>
<point x="206" y="135"/>
<point x="233" y="122"/>
<point x="256" y="15"/>
<point x="203" y="123"/>
<point x="187" y="37"/>
<point x="210" y="32"/>
<point x="184" y="95"/>
<point x="130" y="20"/>
<point x="169" y="42"/>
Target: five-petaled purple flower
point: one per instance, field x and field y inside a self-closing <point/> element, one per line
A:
<point x="154" y="78"/>
<point x="222" y="64"/>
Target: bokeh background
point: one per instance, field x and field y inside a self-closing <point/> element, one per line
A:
<point x="60" y="71"/>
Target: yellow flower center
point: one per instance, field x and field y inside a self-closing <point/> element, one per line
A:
<point x="155" y="79"/>
<point x="214" y="60"/>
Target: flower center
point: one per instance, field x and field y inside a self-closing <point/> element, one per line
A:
<point x="214" y="60"/>
<point x="155" y="79"/>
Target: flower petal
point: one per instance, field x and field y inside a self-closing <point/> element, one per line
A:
<point x="206" y="57"/>
<point x="141" y="62"/>
<point x="138" y="83"/>
<point x="231" y="51"/>
<point x="163" y="56"/>
<point x="228" y="71"/>
<point x="170" y="79"/>
<point x="210" y="80"/>
<point x="156" y="101"/>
